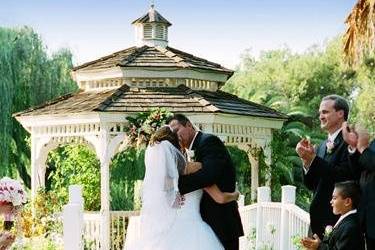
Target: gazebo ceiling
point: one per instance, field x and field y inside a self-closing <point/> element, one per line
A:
<point x="126" y="99"/>
<point x="153" y="57"/>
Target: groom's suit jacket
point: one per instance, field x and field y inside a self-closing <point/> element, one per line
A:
<point x="324" y="171"/>
<point x="346" y="235"/>
<point x="217" y="168"/>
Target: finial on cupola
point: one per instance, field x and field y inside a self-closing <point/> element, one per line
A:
<point x="151" y="29"/>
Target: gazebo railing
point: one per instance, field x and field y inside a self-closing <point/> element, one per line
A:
<point x="91" y="230"/>
<point x="270" y="225"/>
<point x="119" y="222"/>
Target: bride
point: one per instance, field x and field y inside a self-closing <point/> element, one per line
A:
<point x="167" y="220"/>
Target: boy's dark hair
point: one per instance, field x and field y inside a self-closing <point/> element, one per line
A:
<point x="349" y="189"/>
<point x="182" y="119"/>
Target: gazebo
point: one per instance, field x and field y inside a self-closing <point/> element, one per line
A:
<point x="150" y="74"/>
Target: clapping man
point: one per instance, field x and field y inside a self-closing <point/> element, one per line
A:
<point x="327" y="164"/>
<point x="358" y="140"/>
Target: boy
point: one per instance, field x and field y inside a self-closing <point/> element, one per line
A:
<point x="346" y="233"/>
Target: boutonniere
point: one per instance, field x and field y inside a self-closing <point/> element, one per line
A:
<point x="330" y="146"/>
<point x="190" y="155"/>
<point x="328" y="230"/>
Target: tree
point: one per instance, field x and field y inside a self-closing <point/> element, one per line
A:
<point x="28" y="77"/>
<point x="359" y="38"/>
<point x="294" y="84"/>
<point x="74" y="164"/>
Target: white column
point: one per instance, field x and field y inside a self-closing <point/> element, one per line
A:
<point x="38" y="163"/>
<point x="288" y="196"/>
<point x="34" y="168"/>
<point x="73" y="219"/>
<point x="254" y="162"/>
<point x="264" y="195"/>
<point x="268" y="159"/>
<point x="254" y="177"/>
<point x="104" y="158"/>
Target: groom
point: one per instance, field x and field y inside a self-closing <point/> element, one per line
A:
<point x="217" y="168"/>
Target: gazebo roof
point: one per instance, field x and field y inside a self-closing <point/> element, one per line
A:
<point x="146" y="56"/>
<point x="126" y="99"/>
<point x="152" y="16"/>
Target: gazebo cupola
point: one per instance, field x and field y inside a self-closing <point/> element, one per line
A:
<point x="151" y="29"/>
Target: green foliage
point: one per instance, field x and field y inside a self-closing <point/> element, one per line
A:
<point x="243" y="171"/>
<point x="296" y="240"/>
<point x="292" y="79"/>
<point x="127" y="167"/>
<point x="75" y="164"/>
<point x="28" y="77"/>
<point x="293" y="84"/>
<point x="42" y="229"/>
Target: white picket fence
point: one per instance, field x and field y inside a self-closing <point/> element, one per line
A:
<point x="267" y="225"/>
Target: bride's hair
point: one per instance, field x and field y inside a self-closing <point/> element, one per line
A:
<point x="165" y="133"/>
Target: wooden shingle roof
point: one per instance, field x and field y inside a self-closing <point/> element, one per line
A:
<point x="146" y="56"/>
<point x="152" y="16"/>
<point x="179" y="100"/>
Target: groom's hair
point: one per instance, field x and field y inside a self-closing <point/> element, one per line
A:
<point x="182" y="119"/>
<point x="349" y="189"/>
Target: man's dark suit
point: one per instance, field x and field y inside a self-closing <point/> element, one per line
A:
<point x="366" y="165"/>
<point x="217" y="168"/>
<point x="324" y="171"/>
<point x="345" y="236"/>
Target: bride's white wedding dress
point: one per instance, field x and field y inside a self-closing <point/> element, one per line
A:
<point x="162" y="225"/>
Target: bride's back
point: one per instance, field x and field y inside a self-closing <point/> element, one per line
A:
<point x="155" y="160"/>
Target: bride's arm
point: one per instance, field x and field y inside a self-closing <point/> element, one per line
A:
<point x="213" y="190"/>
<point x="192" y="167"/>
<point x="221" y="197"/>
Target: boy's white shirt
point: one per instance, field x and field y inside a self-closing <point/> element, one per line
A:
<point x="344" y="216"/>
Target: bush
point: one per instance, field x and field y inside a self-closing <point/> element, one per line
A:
<point x="127" y="167"/>
<point x="75" y="164"/>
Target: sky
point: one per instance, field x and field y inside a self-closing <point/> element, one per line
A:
<point x="219" y="31"/>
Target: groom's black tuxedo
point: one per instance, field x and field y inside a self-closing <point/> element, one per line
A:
<point x="346" y="235"/>
<point x="325" y="170"/>
<point x="217" y="168"/>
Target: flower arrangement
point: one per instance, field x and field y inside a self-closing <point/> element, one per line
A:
<point x="144" y="124"/>
<point x="11" y="192"/>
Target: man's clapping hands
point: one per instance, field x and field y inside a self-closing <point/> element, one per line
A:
<point x="305" y="151"/>
<point x="356" y="136"/>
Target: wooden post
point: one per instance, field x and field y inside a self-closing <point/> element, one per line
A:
<point x="288" y="196"/>
<point x="264" y="195"/>
<point x="104" y="140"/>
<point x="73" y="220"/>
<point x="253" y="155"/>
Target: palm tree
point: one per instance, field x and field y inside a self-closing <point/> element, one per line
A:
<point x="360" y="34"/>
